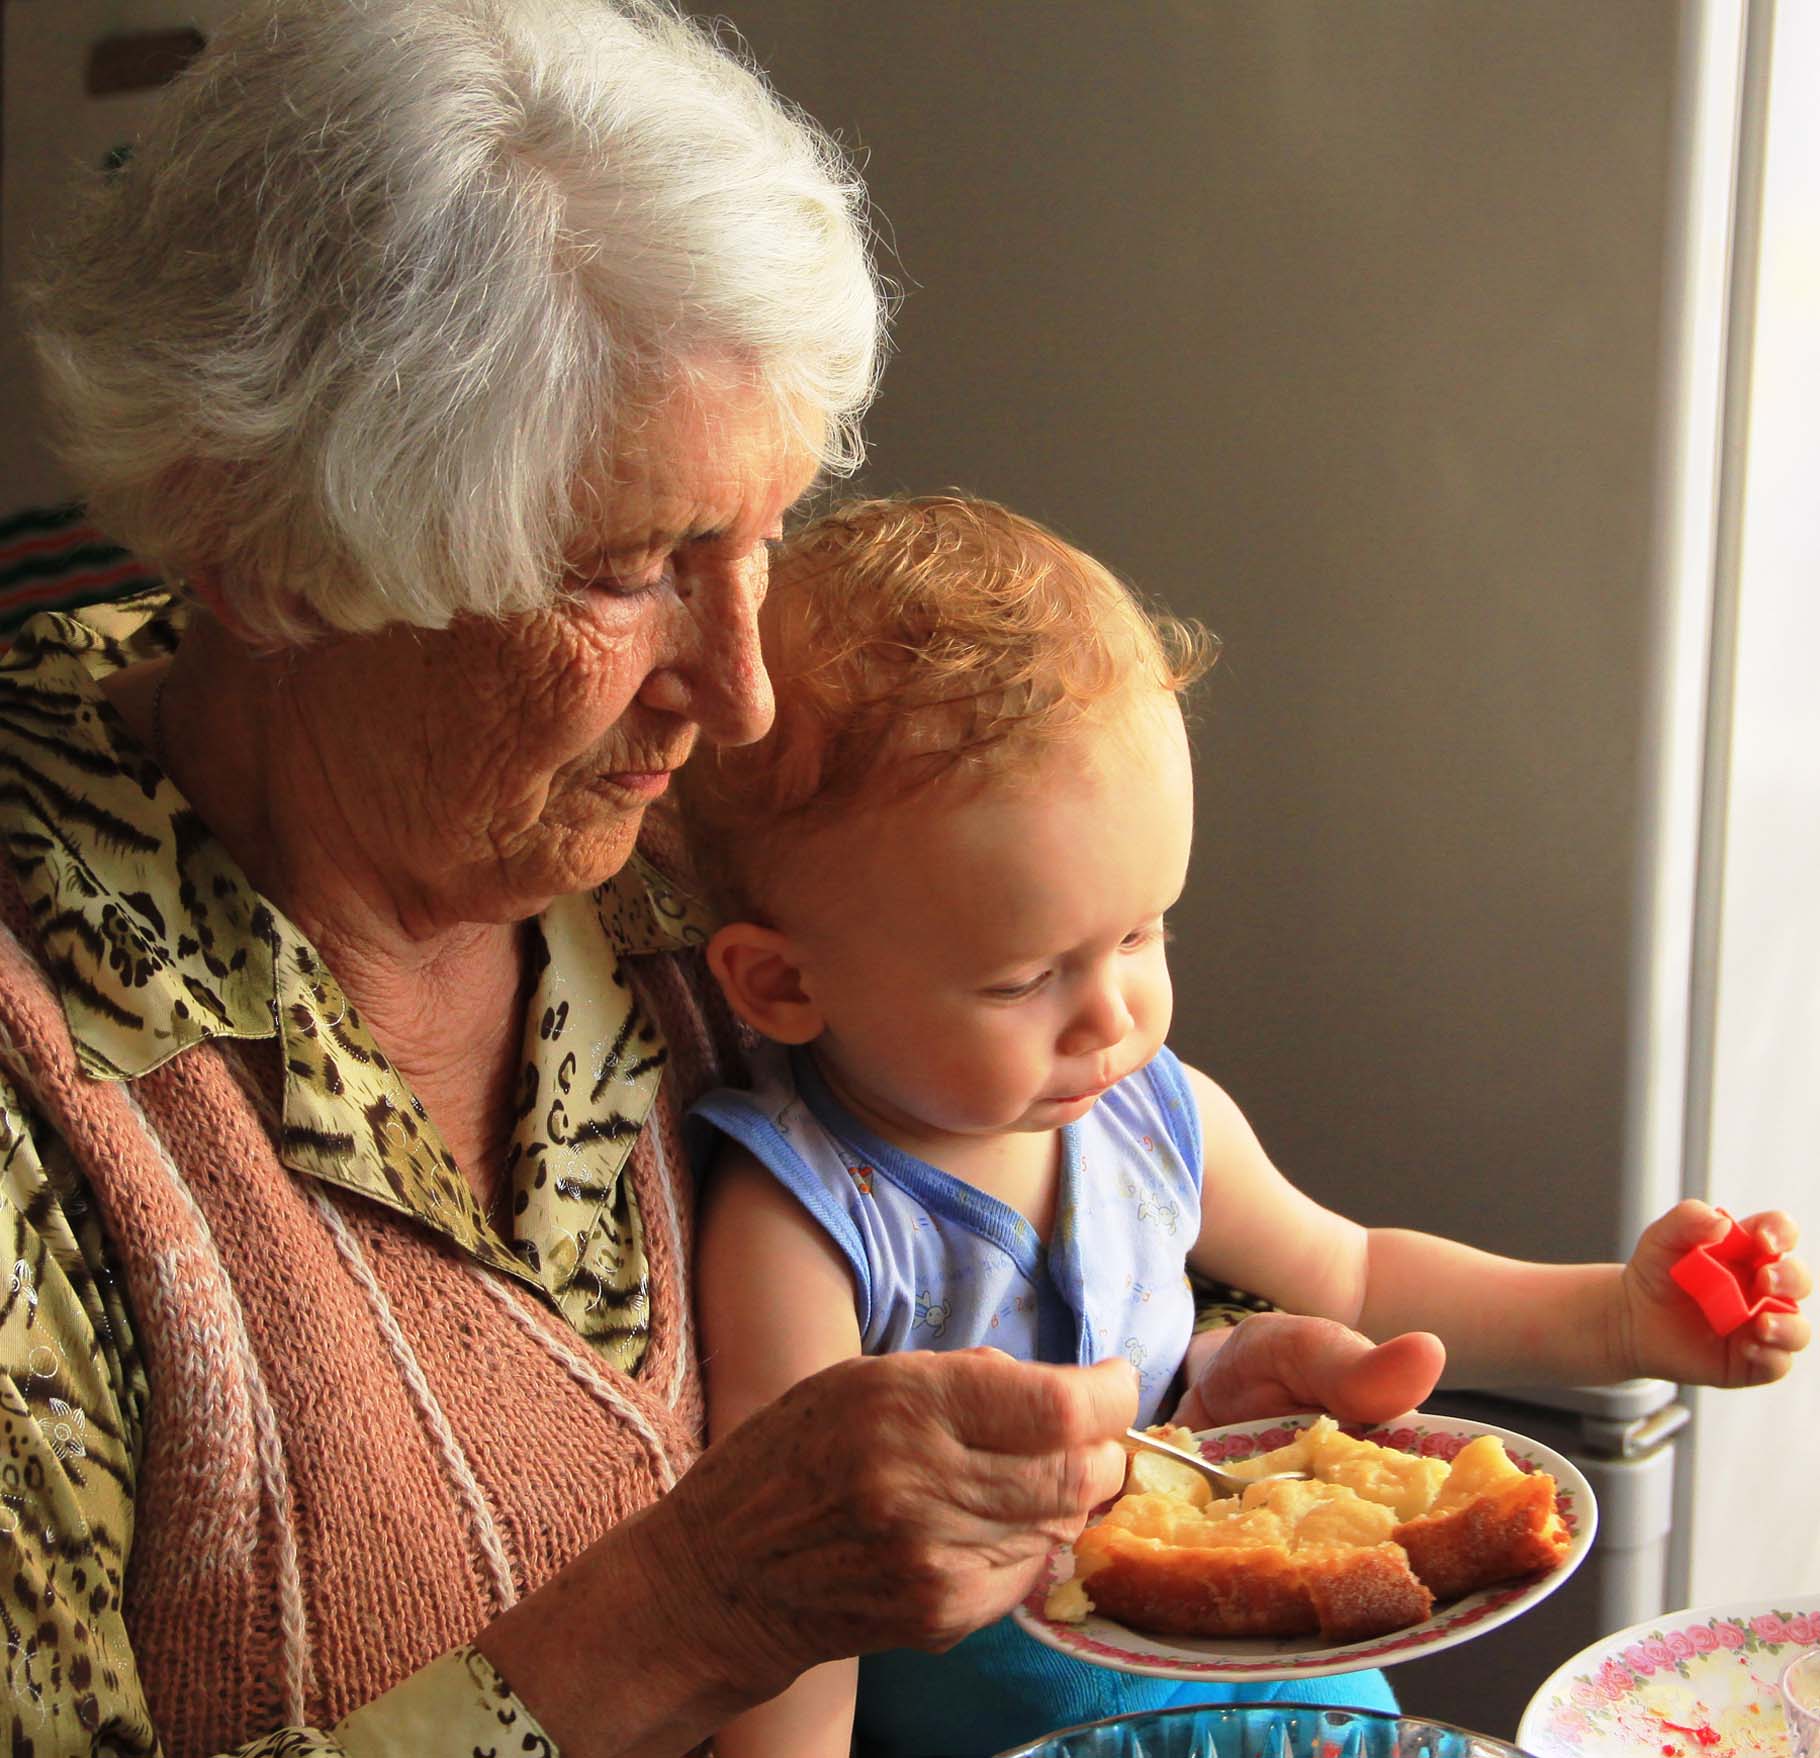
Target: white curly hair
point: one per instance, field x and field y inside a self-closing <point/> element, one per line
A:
<point x="387" y="277"/>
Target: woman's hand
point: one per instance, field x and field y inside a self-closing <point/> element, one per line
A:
<point x="1662" y="1333"/>
<point x="899" y="1501"/>
<point x="1277" y="1363"/>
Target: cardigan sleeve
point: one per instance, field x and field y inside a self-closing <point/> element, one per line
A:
<point x="73" y="1396"/>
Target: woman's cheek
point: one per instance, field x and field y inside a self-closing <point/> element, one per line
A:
<point x="599" y="665"/>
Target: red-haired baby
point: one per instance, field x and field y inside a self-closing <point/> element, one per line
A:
<point x="945" y="875"/>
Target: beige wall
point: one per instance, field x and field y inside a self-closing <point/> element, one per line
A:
<point x="1338" y="326"/>
<point x="55" y="131"/>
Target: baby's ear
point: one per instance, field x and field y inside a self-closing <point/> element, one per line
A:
<point x="757" y="970"/>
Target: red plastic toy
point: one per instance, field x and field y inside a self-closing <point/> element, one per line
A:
<point x="1720" y="1277"/>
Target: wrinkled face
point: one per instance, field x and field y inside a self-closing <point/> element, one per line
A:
<point x="995" y="962"/>
<point x="505" y="763"/>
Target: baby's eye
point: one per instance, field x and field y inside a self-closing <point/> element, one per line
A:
<point x="1149" y="935"/>
<point x="1016" y="991"/>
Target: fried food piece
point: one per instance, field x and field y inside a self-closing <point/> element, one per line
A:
<point x="1283" y="1559"/>
<point x="1182" y="1591"/>
<point x="1365" y="1592"/>
<point x="1405" y="1482"/>
<point x="1365" y="1548"/>
<point x="1490" y="1523"/>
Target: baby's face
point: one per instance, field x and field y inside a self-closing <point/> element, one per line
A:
<point x="995" y="961"/>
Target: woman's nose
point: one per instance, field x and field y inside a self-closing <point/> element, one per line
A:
<point x="1100" y="1020"/>
<point x="715" y="675"/>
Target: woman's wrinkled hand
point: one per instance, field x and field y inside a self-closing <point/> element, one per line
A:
<point x="897" y="1501"/>
<point x="1278" y="1363"/>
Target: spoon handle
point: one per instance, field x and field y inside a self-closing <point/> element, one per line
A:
<point x="1226" y="1482"/>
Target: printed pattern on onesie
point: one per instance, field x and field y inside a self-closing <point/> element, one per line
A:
<point x="938" y="1264"/>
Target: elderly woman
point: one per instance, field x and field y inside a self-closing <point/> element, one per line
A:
<point x="459" y="358"/>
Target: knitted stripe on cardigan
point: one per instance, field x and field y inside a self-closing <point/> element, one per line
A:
<point x="242" y="1293"/>
<point x="490" y="1552"/>
<point x="455" y="1462"/>
<point x="275" y="1480"/>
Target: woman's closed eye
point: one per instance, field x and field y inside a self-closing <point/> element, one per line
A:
<point x="636" y="585"/>
<point x="631" y="573"/>
<point x="627" y="577"/>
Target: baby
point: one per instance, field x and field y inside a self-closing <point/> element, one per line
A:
<point x="945" y="876"/>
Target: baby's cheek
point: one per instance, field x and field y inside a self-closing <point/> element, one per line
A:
<point x="965" y="1082"/>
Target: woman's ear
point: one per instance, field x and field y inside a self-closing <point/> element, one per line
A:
<point x="758" y="971"/>
<point x="206" y="590"/>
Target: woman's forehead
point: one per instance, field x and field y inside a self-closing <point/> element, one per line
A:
<point x="713" y="459"/>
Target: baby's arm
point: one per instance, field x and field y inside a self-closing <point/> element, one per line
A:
<point x="775" y="1301"/>
<point x="1506" y="1321"/>
<point x="1503" y="1321"/>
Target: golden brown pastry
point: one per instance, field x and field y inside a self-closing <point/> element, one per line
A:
<point x="1491" y="1522"/>
<point x="1363" y="1549"/>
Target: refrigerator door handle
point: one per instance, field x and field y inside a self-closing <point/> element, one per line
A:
<point x="1631" y="1440"/>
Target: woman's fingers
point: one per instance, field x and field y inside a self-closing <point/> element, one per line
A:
<point x="899" y="1501"/>
<point x="1277" y="1363"/>
<point x="1387" y="1380"/>
<point x="1014" y="1446"/>
<point x="1007" y="1406"/>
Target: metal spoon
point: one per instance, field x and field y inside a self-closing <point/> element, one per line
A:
<point x="1225" y="1483"/>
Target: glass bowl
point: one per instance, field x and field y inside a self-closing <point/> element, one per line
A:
<point x="1265" y="1730"/>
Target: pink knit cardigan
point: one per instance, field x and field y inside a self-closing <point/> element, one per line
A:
<point x="360" y="1445"/>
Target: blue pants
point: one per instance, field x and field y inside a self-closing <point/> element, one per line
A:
<point x="1000" y="1688"/>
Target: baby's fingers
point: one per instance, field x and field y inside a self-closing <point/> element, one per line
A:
<point x="1689" y="1223"/>
<point x="1787" y="1276"/>
<point x="1770" y="1345"/>
<point x="1774" y="1230"/>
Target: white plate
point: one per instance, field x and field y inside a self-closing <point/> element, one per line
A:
<point x="1103" y="1642"/>
<point x="1692" y="1684"/>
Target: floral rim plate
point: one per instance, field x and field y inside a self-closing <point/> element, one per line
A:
<point x="1691" y="1684"/>
<point x="1103" y="1642"/>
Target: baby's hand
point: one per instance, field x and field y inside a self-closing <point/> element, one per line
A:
<point x="1665" y="1334"/>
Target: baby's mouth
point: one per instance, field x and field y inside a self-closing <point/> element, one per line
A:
<point x="1088" y="1092"/>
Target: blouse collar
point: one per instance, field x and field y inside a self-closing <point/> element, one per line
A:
<point x="156" y="941"/>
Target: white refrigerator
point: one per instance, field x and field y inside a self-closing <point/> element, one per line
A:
<point x="1458" y="363"/>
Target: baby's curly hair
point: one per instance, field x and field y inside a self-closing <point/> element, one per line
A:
<point x="910" y="642"/>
